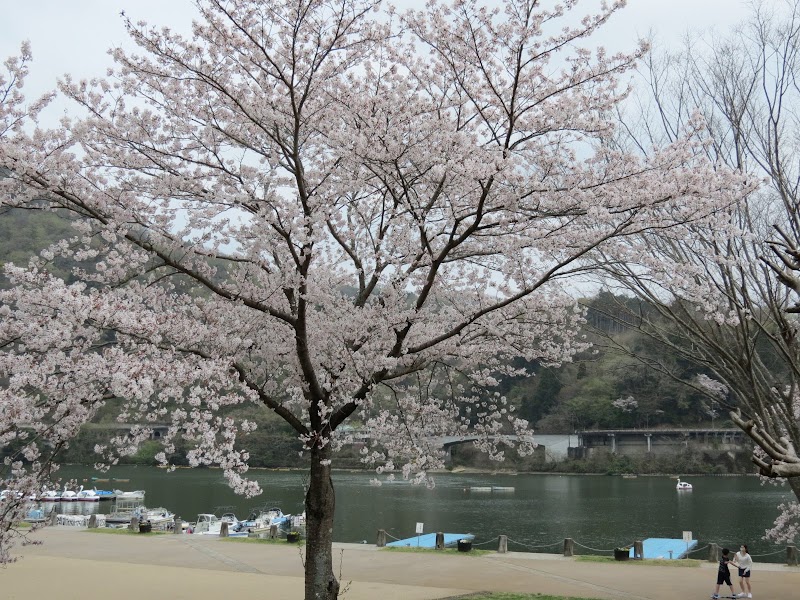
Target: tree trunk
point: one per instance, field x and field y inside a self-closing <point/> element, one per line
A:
<point x="321" y="584"/>
<point x="794" y="483"/>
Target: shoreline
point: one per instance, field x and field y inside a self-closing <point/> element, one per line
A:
<point x="454" y="471"/>
<point x="202" y="568"/>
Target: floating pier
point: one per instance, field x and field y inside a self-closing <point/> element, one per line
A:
<point x="665" y="548"/>
<point x="428" y="540"/>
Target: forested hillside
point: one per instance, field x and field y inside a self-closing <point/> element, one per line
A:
<point x="602" y="388"/>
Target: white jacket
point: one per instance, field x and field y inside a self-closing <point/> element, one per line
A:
<point x="744" y="560"/>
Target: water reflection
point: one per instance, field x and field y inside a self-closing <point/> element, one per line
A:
<point x="598" y="511"/>
<point x="76" y="508"/>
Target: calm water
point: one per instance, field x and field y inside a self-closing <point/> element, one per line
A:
<point x="599" y="512"/>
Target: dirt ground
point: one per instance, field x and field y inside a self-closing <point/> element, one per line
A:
<point x="76" y="564"/>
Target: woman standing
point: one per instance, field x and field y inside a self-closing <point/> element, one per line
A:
<point x="744" y="562"/>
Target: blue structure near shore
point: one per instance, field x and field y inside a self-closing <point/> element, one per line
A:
<point x="665" y="548"/>
<point x="428" y="540"/>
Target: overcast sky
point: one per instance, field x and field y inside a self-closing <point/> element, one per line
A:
<point x="72" y="36"/>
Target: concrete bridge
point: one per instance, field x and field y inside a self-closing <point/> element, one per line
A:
<point x="657" y="442"/>
<point x="581" y="444"/>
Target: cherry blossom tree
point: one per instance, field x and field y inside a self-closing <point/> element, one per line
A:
<point x="726" y="297"/>
<point x="334" y="214"/>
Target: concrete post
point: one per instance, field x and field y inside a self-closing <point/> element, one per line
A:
<point x="273" y="532"/>
<point x="638" y="549"/>
<point x="177" y="525"/>
<point x="713" y="553"/>
<point x="569" y="547"/>
<point x="53" y="517"/>
<point x="223" y="529"/>
<point x="381" y="538"/>
<point x="791" y="556"/>
<point x="502" y="546"/>
<point x="439" y="540"/>
<point x="92" y="522"/>
<point x="134" y="525"/>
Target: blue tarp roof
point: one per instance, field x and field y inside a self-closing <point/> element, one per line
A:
<point x="660" y="548"/>
<point x="428" y="540"/>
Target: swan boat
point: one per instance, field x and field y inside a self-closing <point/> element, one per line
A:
<point x="683" y="486"/>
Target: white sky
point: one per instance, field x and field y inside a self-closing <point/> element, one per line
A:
<point x="72" y="36"/>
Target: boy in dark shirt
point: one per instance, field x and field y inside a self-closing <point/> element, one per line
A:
<point x="723" y="575"/>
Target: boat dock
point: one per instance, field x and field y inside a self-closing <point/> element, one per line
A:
<point x="665" y="548"/>
<point x="428" y="540"/>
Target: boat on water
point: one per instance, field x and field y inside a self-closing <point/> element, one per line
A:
<point x="9" y="494"/>
<point x="50" y="496"/>
<point x="70" y="495"/>
<point x="683" y="485"/>
<point x="95" y="495"/>
<point x="490" y="488"/>
<point x="211" y="524"/>
<point x="132" y="495"/>
<point x="156" y="516"/>
<point x="87" y="496"/>
<point x="261" y="519"/>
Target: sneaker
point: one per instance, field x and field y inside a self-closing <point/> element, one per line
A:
<point x="749" y="595"/>
<point x="714" y="596"/>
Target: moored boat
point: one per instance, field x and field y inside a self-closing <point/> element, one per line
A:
<point x="50" y="496"/>
<point x="87" y="496"/>
<point x="70" y="495"/>
<point x="132" y="495"/>
<point x="261" y="519"/>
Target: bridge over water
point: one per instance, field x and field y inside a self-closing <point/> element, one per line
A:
<point x="632" y="442"/>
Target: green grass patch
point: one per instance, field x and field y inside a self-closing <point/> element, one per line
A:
<point x="255" y="540"/>
<point x="509" y="596"/>
<point x="682" y="562"/>
<point x="446" y="551"/>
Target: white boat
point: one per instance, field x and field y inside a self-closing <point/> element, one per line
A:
<point x="95" y="495"/>
<point x="205" y="522"/>
<point x="50" y="496"/>
<point x="263" y="519"/>
<point x="210" y="524"/>
<point x="70" y="495"/>
<point x="682" y="485"/>
<point x="156" y="516"/>
<point x="87" y="496"/>
<point x="134" y="495"/>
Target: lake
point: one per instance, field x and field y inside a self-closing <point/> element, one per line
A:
<point x="598" y="512"/>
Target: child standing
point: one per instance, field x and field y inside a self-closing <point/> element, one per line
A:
<point x="723" y="575"/>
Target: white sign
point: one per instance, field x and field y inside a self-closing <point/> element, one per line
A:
<point x="687" y="536"/>
<point x="419" y="527"/>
